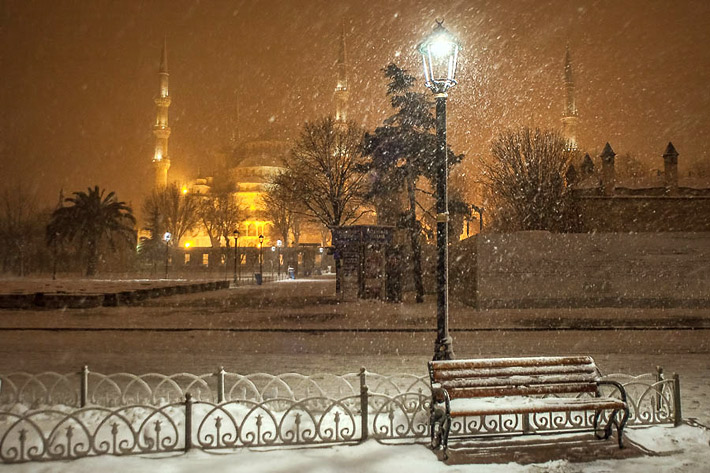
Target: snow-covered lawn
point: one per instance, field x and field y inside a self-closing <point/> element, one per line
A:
<point x="684" y="449"/>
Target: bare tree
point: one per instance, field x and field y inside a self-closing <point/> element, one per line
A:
<point x="21" y="229"/>
<point x="178" y="212"/>
<point x="283" y="208"/>
<point x="526" y="180"/>
<point x="220" y="214"/>
<point x="324" y="172"/>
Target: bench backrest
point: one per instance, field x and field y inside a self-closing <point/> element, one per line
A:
<point x="494" y="377"/>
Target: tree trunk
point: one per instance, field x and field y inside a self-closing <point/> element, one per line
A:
<point x="413" y="227"/>
<point x="93" y="258"/>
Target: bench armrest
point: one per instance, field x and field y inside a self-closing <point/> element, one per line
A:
<point x="617" y="385"/>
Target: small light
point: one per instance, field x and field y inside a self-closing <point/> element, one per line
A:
<point x="188" y="244"/>
<point x="273" y="248"/>
<point x="167" y="236"/>
<point x="184" y="189"/>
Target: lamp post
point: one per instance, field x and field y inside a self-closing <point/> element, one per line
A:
<point x="279" y="244"/>
<point x="261" y="258"/>
<point x="439" y="56"/>
<point x="166" y="239"/>
<point x="236" y="254"/>
<point x="54" y="255"/>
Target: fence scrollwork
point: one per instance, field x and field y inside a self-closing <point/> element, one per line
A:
<point x="127" y="414"/>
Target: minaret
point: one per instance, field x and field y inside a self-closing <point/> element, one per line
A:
<point x="161" y="130"/>
<point x="569" y="118"/>
<point x="341" y="89"/>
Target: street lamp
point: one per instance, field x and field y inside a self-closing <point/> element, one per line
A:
<point x="439" y="56"/>
<point x="166" y="238"/>
<point x="261" y="258"/>
<point x="236" y="246"/>
<point x="279" y="244"/>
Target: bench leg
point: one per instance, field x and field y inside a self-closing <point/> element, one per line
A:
<point x="445" y="429"/>
<point x="620" y="424"/>
<point x="435" y="429"/>
<point x="606" y="433"/>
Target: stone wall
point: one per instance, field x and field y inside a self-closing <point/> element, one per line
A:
<point x="644" y="213"/>
<point x="540" y="269"/>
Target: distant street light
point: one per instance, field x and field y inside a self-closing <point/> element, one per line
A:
<point x="439" y="56"/>
<point x="261" y="259"/>
<point x="236" y="254"/>
<point x="279" y="244"/>
<point x="54" y="255"/>
<point x="166" y="238"/>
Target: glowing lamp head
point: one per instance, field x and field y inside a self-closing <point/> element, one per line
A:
<point x="439" y="57"/>
<point x="279" y="243"/>
<point x="184" y="189"/>
<point x="167" y="236"/>
<point x="188" y="244"/>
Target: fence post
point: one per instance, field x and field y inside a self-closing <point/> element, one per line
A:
<point x="220" y="385"/>
<point x="188" y="421"/>
<point x="678" y="414"/>
<point x="526" y="424"/>
<point x="83" y="386"/>
<point x="364" y="404"/>
<point x="659" y="387"/>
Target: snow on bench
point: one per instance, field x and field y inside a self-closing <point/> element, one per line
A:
<point x="492" y="386"/>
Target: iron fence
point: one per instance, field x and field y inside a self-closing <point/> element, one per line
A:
<point x="50" y="416"/>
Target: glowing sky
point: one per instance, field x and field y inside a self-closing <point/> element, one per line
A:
<point x="79" y="77"/>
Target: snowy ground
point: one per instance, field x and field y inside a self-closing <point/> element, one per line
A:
<point x="658" y="449"/>
<point x="298" y="326"/>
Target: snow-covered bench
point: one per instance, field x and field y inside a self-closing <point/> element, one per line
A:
<point x="521" y="386"/>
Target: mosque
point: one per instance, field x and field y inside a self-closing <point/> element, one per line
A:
<point x="247" y="168"/>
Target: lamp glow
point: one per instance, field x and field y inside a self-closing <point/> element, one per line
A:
<point x="439" y="58"/>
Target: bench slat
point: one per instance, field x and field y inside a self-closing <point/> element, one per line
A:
<point x="520" y="405"/>
<point x="493" y="391"/>
<point x="442" y="375"/>
<point x="504" y="362"/>
<point x="576" y="378"/>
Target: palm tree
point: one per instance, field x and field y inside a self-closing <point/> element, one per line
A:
<point x="91" y="218"/>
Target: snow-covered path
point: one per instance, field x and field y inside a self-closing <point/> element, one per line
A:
<point x="675" y="450"/>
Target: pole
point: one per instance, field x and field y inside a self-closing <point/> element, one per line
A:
<point x="278" y="255"/>
<point x="442" y="347"/>
<point x="167" y="256"/>
<point x="261" y="260"/>
<point x="236" y="241"/>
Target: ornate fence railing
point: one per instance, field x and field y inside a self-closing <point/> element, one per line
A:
<point x="85" y="387"/>
<point x="51" y="416"/>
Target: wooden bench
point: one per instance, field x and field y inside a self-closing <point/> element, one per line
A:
<point x="521" y="386"/>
